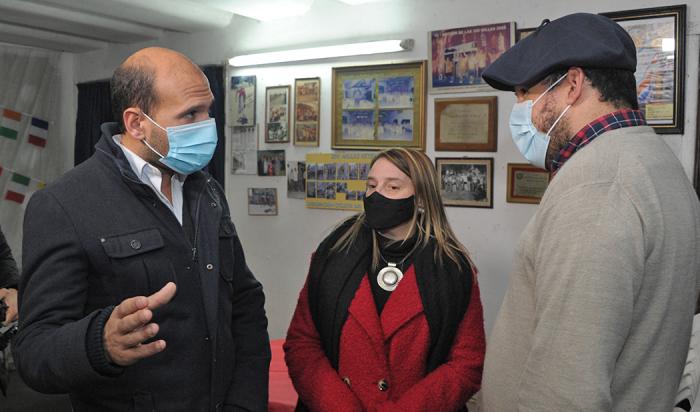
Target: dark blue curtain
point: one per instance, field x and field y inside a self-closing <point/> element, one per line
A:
<point x="95" y="108"/>
<point x="215" y="74"/>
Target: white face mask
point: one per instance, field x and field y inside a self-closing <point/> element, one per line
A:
<point x="531" y="142"/>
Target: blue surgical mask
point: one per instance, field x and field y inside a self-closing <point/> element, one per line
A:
<point x="191" y="146"/>
<point x="531" y="142"/>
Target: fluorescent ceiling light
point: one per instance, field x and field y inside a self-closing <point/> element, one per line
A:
<point x="315" y="53"/>
<point x="356" y="2"/>
<point x="263" y="10"/>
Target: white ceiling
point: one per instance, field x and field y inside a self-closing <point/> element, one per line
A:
<point x="82" y="25"/>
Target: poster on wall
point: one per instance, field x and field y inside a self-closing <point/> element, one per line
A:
<point x="244" y="150"/>
<point x="307" y="101"/>
<point x="241" y="101"/>
<point x="336" y="180"/>
<point x="459" y="56"/>
<point x="296" y="179"/>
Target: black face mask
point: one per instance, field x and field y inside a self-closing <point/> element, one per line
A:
<point x="384" y="213"/>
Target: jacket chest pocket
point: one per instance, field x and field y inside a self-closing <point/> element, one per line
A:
<point x="137" y="263"/>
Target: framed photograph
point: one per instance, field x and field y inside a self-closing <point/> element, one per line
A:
<point x="466" y="124"/>
<point x="307" y="101"/>
<point x="262" y="201"/>
<point x="277" y="114"/>
<point x="376" y="107"/>
<point x="526" y="183"/>
<point x="522" y="33"/>
<point x="466" y="182"/>
<point x="296" y="180"/>
<point x="242" y="101"/>
<point x="459" y="56"/>
<point x="271" y="163"/>
<point x="659" y="34"/>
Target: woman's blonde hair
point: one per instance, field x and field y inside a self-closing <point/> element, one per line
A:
<point x="429" y="217"/>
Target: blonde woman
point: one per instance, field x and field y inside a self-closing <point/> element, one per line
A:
<point x="390" y="317"/>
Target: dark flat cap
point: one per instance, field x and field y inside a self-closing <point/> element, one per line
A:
<point x="581" y="40"/>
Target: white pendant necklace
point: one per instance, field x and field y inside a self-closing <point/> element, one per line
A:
<point x="389" y="277"/>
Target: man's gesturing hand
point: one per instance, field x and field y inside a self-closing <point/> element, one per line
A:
<point x="128" y="326"/>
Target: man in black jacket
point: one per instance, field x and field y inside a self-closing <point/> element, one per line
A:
<point x="8" y="280"/>
<point x="135" y="293"/>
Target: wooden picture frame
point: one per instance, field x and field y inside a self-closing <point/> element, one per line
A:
<point x="524" y="32"/>
<point x="380" y="106"/>
<point x="526" y="183"/>
<point x="659" y="35"/>
<point x="262" y="201"/>
<point x="458" y="56"/>
<point x="307" y="104"/>
<point x="277" y="114"/>
<point x="466" y="124"/>
<point x="466" y="182"/>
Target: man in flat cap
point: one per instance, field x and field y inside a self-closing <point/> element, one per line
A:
<point x="598" y="312"/>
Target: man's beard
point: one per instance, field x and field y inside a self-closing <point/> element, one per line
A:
<point x="560" y="135"/>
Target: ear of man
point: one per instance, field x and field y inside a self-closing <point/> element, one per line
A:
<point x="133" y="123"/>
<point x="575" y="82"/>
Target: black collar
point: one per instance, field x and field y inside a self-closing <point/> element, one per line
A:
<point x="334" y="277"/>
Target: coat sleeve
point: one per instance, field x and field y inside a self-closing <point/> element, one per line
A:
<point x="9" y="276"/>
<point x="249" y="389"/>
<point x="318" y="384"/>
<point x="584" y="297"/>
<point x="459" y="378"/>
<point x="50" y="347"/>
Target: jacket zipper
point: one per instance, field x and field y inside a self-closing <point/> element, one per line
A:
<point x="196" y="219"/>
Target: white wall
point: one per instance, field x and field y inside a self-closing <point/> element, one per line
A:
<point x="57" y="106"/>
<point x="278" y="248"/>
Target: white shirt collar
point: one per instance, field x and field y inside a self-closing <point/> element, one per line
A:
<point x="152" y="176"/>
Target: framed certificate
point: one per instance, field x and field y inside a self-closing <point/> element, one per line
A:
<point x="526" y="183"/>
<point x="466" y="124"/>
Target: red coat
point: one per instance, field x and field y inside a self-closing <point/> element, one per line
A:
<point x="392" y="349"/>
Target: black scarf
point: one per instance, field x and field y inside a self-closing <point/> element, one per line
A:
<point x="334" y="277"/>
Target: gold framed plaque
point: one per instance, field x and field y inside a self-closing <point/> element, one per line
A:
<point x="526" y="183"/>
